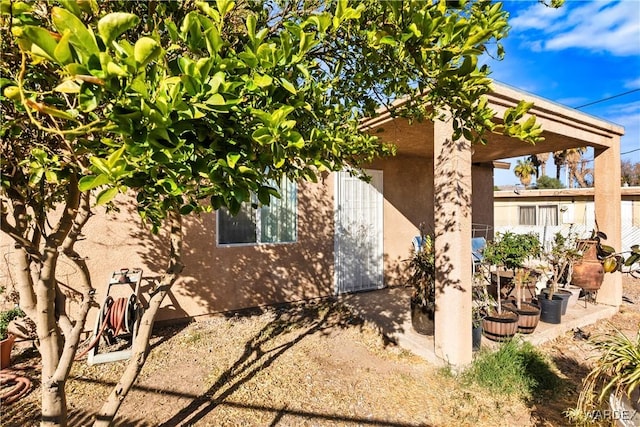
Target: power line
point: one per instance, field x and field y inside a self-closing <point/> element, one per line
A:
<point x="608" y="98"/>
<point x="632" y="151"/>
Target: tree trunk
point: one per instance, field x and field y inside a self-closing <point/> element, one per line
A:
<point x="140" y="348"/>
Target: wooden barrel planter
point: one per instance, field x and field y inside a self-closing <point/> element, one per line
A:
<point x="500" y="327"/>
<point x="528" y="316"/>
<point x="588" y="272"/>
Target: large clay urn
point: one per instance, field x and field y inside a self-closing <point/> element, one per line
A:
<point x="588" y="273"/>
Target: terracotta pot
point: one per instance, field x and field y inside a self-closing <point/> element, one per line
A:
<point x="588" y="273"/>
<point x="422" y="319"/>
<point x="528" y="316"/>
<point x="500" y="327"/>
<point x="6" y="346"/>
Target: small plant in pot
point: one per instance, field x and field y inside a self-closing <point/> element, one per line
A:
<point x="422" y="278"/>
<point x="508" y="251"/>
<point x="560" y="256"/>
<point x="528" y="312"/>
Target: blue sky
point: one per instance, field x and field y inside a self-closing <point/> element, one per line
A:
<point x="583" y="52"/>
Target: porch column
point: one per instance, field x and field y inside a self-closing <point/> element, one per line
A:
<point x="452" y="207"/>
<point x="606" y="172"/>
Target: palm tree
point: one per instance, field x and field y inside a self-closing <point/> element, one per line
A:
<point x="560" y="159"/>
<point x="542" y="158"/>
<point x="524" y="170"/>
<point x="576" y="166"/>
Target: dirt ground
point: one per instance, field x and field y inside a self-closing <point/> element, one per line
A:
<point x="309" y="365"/>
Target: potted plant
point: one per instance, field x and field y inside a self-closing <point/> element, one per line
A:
<point x="559" y="258"/>
<point x="481" y="305"/>
<point x="422" y="278"/>
<point x="508" y="251"/>
<point x="7" y="339"/>
<point x="528" y="312"/>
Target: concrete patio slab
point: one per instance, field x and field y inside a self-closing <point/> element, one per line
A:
<point x="388" y="310"/>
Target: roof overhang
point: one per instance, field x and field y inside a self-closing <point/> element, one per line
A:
<point x="563" y="128"/>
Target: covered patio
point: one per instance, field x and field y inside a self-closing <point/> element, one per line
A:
<point x="448" y="185"/>
<point x="386" y="310"/>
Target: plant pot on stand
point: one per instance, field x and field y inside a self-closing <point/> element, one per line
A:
<point x="588" y="272"/>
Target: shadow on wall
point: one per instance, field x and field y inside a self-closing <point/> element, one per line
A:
<point x="221" y="278"/>
<point x="450" y="202"/>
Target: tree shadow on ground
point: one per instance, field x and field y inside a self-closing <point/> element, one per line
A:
<point x="549" y="408"/>
<point x="262" y="350"/>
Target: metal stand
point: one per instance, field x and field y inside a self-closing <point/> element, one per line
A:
<point x="123" y="282"/>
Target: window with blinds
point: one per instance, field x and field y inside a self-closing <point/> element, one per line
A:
<point x="273" y="223"/>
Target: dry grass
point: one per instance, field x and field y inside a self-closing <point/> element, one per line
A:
<point x="309" y="365"/>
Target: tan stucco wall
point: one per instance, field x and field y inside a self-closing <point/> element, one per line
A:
<point x="482" y="196"/>
<point x="215" y="278"/>
<point x="408" y="203"/>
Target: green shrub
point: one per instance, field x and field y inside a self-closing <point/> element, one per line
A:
<point x="6" y="317"/>
<point x="517" y="368"/>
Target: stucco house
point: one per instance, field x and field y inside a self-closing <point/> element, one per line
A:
<point x="550" y="210"/>
<point x="343" y="234"/>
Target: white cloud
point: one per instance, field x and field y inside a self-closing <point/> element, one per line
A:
<point x="601" y="26"/>
<point x="633" y="84"/>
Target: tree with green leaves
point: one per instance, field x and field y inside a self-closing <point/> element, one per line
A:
<point x="547" y="182"/>
<point x="193" y="106"/>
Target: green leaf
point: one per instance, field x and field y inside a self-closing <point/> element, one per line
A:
<point x="186" y="209"/>
<point x="263" y="80"/>
<point x="68" y="86"/>
<point x="251" y="27"/>
<point x="114" y="157"/>
<point x="225" y="6"/>
<point x="114" y="24"/>
<point x="262" y="136"/>
<point x="288" y="86"/>
<point x="213" y="40"/>
<point x="264" y="196"/>
<point x="105" y="196"/>
<point x="295" y="140"/>
<point x="232" y="159"/>
<point x="81" y="38"/>
<point x="146" y="50"/>
<point x="62" y="51"/>
<point x="100" y="164"/>
<point x="115" y="70"/>
<point x="43" y="39"/>
<point x="90" y="182"/>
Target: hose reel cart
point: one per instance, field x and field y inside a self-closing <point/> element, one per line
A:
<point x="119" y="318"/>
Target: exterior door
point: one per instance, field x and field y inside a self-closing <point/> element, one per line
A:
<point x="358" y="233"/>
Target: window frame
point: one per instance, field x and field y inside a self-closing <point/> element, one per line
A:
<point x="257" y="211"/>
